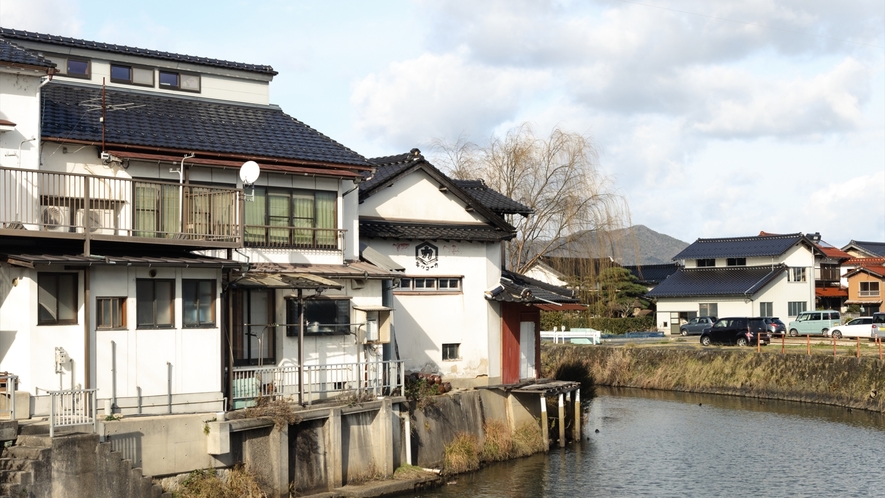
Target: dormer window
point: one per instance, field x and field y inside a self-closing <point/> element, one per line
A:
<point x="179" y="81"/>
<point x="706" y="262"/>
<point x="132" y="75"/>
<point x="77" y="68"/>
<point x="736" y="262"/>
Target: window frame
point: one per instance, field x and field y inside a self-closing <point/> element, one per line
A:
<point x="766" y="308"/>
<point x="266" y="228"/>
<point x="869" y="292"/>
<point x="409" y="284"/>
<point x="155" y="309"/>
<point x="795" y="306"/>
<point x="131" y="79"/>
<point x="178" y="78"/>
<point x="73" y="303"/>
<point x="736" y="261"/>
<point x="797" y="274"/>
<point x="708" y="309"/>
<point x="448" y="349"/>
<point x="340" y="326"/>
<point x="186" y="301"/>
<point x="705" y="262"/>
<point x="118" y="304"/>
<point x="85" y="76"/>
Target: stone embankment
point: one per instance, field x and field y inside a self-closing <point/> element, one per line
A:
<point x="835" y="380"/>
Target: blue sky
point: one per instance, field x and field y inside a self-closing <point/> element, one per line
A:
<point x="714" y="119"/>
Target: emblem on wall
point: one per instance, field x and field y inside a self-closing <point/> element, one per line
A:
<point x="426" y="256"/>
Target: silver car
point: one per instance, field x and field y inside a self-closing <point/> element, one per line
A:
<point x="697" y="325"/>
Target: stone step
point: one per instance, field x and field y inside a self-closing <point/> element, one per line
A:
<point x="11" y="489"/>
<point x="34" y="441"/>
<point x="17" y="464"/>
<point x="31" y="453"/>
<point x="16" y="477"/>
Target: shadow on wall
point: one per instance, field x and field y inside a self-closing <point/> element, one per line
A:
<point x="129" y="445"/>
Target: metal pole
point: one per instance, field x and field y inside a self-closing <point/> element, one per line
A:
<point x="113" y="374"/>
<point x="561" y="420"/>
<point x="407" y="437"/>
<point x="300" y="347"/>
<point x="545" y="436"/>
<point x="577" y="428"/>
<point x="51" y="415"/>
<point x="169" y="385"/>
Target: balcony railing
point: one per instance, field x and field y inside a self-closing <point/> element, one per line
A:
<point x="376" y="378"/>
<point x="68" y="205"/>
<point x="285" y="237"/>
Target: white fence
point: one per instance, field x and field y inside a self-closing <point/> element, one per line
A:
<point x="72" y="407"/>
<point x="376" y="378"/>
<point x="8" y="383"/>
<point x="574" y="336"/>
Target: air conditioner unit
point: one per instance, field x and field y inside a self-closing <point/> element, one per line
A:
<point x="101" y="221"/>
<point x="56" y="218"/>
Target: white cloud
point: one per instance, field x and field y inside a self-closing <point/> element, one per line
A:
<point x="42" y="16"/>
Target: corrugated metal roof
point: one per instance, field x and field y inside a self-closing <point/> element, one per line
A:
<point x="378" y="259"/>
<point x="722" y="281"/>
<point x="285" y="281"/>
<point x="358" y="269"/>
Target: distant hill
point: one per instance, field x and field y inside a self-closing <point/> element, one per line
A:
<point x="630" y="246"/>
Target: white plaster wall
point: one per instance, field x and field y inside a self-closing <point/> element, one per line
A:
<point x="417" y="197"/>
<point x="424" y="322"/>
<point x="19" y="103"/>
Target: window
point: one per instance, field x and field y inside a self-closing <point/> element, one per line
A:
<point x="57" y="299"/>
<point x="110" y="313"/>
<point x="796" y="274"/>
<point x="796" y="307"/>
<point x="198" y="303"/>
<point x="766" y="309"/>
<point x="736" y="261"/>
<point x="321" y="316"/>
<point x="706" y="262"/>
<point x="154" y="301"/>
<point x="77" y="68"/>
<point x="256" y="342"/>
<point x="132" y="75"/>
<point x="179" y="81"/>
<point x="156" y="210"/>
<point x="451" y="352"/>
<point x="708" y="309"/>
<point x="869" y="289"/>
<point x="429" y="284"/>
<point x="306" y="218"/>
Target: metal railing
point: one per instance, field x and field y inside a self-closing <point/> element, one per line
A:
<point x="376" y="378"/>
<point x="69" y="204"/>
<point x="287" y="237"/>
<point x="72" y="407"/>
<point x="8" y="384"/>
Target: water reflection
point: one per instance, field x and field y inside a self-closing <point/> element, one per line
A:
<point x="661" y="443"/>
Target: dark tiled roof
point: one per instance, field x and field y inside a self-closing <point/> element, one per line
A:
<point x="492" y="199"/>
<point x="652" y="274"/>
<point x="518" y="288"/>
<point x="189" y="260"/>
<point x="64" y="41"/>
<point x="10" y="52"/>
<point x="740" y="247"/>
<point x="872" y="248"/>
<point x="156" y="120"/>
<point x="723" y="281"/>
<point x="425" y="231"/>
<point x="387" y="168"/>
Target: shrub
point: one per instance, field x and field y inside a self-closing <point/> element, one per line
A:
<point x="528" y="440"/>
<point x="280" y="410"/>
<point x="461" y="455"/>
<point x="238" y="483"/>
<point x="498" y="444"/>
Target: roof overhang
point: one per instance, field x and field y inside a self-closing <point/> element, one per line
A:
<point x="80" y="261"/>
<point x="285" y="281"/>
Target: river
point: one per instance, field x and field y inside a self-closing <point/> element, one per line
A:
<point x="660" y="443"/>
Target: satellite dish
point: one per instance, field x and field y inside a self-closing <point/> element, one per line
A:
<point x="249" y="172"/>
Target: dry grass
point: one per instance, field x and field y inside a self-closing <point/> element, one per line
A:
<point x="461" y="455"/>
<point x="498" y="443"/>
<point x="279" y="410"/>
<point x="238" y="483"/>
<point x="409" y="472"/>
<point x="528" y="440"/>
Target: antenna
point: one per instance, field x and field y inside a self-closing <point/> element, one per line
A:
<point x="249" y="173"/>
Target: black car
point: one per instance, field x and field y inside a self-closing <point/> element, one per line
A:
<point x="737" y="330"/>
<point x="775" y="325"/>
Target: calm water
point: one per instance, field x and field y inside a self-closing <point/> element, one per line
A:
<point x="653" y="443"/>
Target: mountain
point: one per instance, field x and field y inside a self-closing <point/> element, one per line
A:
<point x="636" y="245"/>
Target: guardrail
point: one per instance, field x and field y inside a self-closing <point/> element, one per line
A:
<point x="72" y="407"/>
<point x="378" y="378"/>
<point x="8" y="384"/>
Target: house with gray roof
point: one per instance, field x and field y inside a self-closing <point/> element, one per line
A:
<point x="865" y="249"/>
<point x="763" y="275"/>
<point x="170" y="275"/>
<point x="459" y="312"/>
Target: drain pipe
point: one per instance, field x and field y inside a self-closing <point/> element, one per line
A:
<point x="180" y="172"/>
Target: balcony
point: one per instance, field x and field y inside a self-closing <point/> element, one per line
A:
<point x="288" y="237"/>
<point x="37" y="203"/>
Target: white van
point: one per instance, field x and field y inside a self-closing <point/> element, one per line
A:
<point x="815" y="323"/>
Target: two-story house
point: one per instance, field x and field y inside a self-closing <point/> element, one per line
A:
<point x="133" y="257"/>
<point x="458" y="311"/>
<point x="764" y="275"/>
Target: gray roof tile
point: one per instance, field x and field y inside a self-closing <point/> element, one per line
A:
<point x="722" y="281"/>
<point x="425" y="231"/>
<point x="155" y="120"/>
<point x="492" y="199"/>
<point x="518" y="288"/>
<point x="10" y="52"/>
<point x="64" y="41"/>
<point x="652" y="274"/>
<point x="740" y="247"/>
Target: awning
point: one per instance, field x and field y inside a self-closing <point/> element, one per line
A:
<point x="285" y="281"/>
<point x="858" y="301"/>
<point x="372" y="307"/>
<point x="379" y="260"/>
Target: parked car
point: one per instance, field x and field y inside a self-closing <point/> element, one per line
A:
<point x="741" y="331"/>
<point x="879" y="323"/>
<point x="859" y="327"/>
<point x="697" y="325"/>
<point x="775" y="326"/>
<point x="815" y="323"/>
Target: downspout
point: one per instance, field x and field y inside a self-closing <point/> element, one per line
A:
<point x="181" y="191"/>
<point x="87" y="324"/>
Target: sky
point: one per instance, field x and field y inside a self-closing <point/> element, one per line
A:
<point x="713" y="119"/>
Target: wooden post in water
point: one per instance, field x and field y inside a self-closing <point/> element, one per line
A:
<point x="561" y="420"/>
<point x="577" y="427"/>
<point x="544" y="429"/>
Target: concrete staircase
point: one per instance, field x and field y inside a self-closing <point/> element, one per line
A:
<point x="25" y="468"/>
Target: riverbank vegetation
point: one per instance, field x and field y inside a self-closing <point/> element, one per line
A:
<point x="465" y="453"/>
<point x="837" y="380"/>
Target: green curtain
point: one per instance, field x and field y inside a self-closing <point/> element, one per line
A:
<point x="256" y="215"/>
<point x="326" y="218"/>
<point x="278" y="216"/>
<point x="303" y="212"/>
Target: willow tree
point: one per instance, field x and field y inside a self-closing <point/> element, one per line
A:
<point x="576" y="208"/>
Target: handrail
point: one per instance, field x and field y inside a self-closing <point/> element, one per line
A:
<point x="8" y="384"/>
<point x="70" y="407"/>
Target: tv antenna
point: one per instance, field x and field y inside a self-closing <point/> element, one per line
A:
<point x="249" y="173"/>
